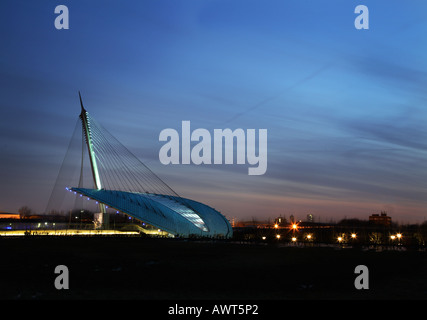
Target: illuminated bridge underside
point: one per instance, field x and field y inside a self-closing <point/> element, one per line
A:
<point x="178" y="216"/>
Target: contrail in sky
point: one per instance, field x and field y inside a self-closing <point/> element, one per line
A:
<point x="296" y="84"/>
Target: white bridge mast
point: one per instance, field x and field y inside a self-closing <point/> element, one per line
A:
<point x="95" y="173"/>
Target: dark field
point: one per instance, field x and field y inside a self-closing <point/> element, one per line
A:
<point x="140" y="268"/>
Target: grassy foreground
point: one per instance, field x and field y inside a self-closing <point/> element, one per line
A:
<point x="140" y="268"/>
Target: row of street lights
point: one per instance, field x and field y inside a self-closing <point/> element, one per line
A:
<point x="309" y="237"/>
<point x="340" y="238"/>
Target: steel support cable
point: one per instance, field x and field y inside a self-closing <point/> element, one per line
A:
<point x="136" y="167"/>
<point x="133" y="184"/>
<point x="152" y="178"/>
<point x="111" y="157"/>
<point x="140" y="174"/>
<point x="103" y="171"/>
<point x="127" y="158"/>
<point x="105" y="160"/>
<point x="102" y="165"/>
<point x="136" y="184"/>
<point x="90" y="137"/>
<point x="58" y="193"/>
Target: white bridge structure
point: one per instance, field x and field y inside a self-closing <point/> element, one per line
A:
<point x="123" y="183"/>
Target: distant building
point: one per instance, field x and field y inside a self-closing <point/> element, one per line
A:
<point x="280" y="221"/>
<point x="381" y="219"/>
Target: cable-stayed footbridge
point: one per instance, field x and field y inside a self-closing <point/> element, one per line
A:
<point x="123" y="183"/>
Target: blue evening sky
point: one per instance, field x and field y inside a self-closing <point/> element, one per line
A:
<point x="345" y="109"/>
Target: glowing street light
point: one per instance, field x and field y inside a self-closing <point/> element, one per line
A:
<point x="309" y="236"/>
<point x="278" y="236"/>
<point x="339" y="239"/>
<point x="294" y="226"/>
<point x="294" y="239"/>
<point x="353" y="235"/>
<point x="276" y="226"/>
<point x="399" y="235"/>
<point x="393" y="237"/>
